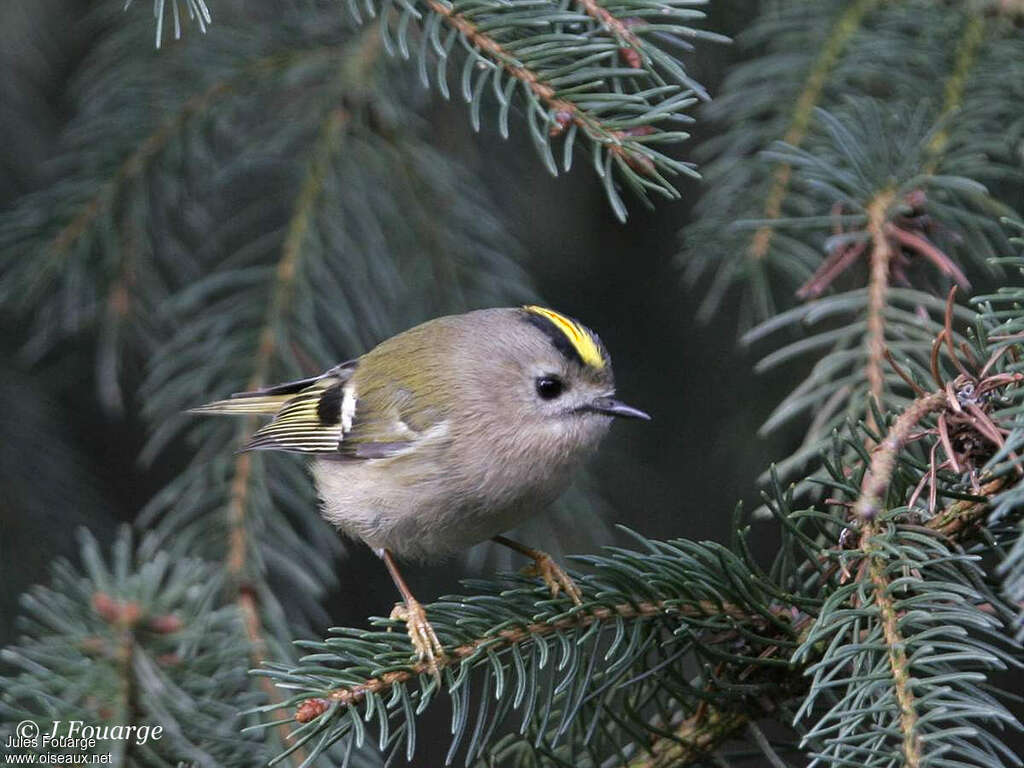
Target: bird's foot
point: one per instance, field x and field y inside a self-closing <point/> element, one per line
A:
<point x="553" y="575"/>
<point x="429" y="650"/>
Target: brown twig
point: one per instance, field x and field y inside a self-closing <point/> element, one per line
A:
<point x="830" y="269"/>
<point x="592" y="127"/>
<point x="867" y="508"/>
<point x="921" y="245"/>
<point x="896" y="650"/>
<point x="903" y="374"/>
<point x="692" y="739"/>
<point x="964" y="514"/>
<point x="620" y="29"/>
<point x="880" y="256"/>
<point x="947" y="332"/>
<point x="352" y="695"/>
<point x="883" y="461"/>
<point x="947" y="444"/>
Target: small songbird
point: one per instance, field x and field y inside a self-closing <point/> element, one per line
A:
<point x="447" y="435"/>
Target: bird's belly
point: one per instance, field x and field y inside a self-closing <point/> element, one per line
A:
<point x="383" y="505"/>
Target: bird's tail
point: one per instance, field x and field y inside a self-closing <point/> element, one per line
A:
<point x="242" y="404"/>
<point x="269" y="400"/>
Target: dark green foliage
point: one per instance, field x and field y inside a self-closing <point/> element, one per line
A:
<point x="264" y="203"/>
<point x="1002" y="321"/>
<point x="608" y="76"/>
<point x="855" y="710"/>
<point x="902" y="109"/>
<point x="321" y="232"/>
<point x="846" y="175"/>
<point x="960" y="67"/>
<point x="578" y="683"/>
<point x="133" y="641"/>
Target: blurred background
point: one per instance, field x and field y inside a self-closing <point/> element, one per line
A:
<point x="155" y="210"/>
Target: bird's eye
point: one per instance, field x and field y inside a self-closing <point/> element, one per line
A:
<point x="549" y="387"/>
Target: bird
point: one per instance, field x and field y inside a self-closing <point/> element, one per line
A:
<point x="446" y="435"/>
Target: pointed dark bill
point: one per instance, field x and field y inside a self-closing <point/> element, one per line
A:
<point x="612" y="407"/>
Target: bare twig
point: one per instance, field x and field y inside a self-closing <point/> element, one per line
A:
<point x="880" y="256"/>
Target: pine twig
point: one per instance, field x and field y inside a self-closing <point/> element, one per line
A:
<point x="580" y="619"/>
<point x="883" y="461"/>
<point x="285" y="275"/>
<point x="564" y="111"/>
<point x="880" y="256"/>
<point x="845" y="28"/>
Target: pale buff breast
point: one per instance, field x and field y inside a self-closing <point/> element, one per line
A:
<point x="444" y="495"/>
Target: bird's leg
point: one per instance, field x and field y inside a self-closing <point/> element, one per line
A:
<point x="428" y="648"/>
<point x="545" y="567"/>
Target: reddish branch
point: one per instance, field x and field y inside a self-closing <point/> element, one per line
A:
<point x="565" y="112"/>
<point x="351" y="695"/>
<point x="838" y="262"/>
<point x="888" y="246"/>
<point x="922" y="246"/>
<point x="883" y="461"/>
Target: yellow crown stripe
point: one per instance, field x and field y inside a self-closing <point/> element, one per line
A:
<point x="577" y="335"/>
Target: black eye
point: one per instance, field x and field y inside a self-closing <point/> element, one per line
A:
<point x="549" y="387"/>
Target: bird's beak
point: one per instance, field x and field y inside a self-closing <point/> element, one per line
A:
<point x="612" y="407"/>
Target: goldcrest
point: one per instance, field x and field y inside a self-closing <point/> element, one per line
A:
<point x="446" y="435"/>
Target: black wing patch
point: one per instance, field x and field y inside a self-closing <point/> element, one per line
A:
<point x="300" y="425"/>
<point x="307" y="413"/>
<point x="328" y="409"/>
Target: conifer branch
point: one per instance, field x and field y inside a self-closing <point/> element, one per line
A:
<point x="126" y="709"/>
<point x="876" y="199"/>
<point x="878" y="284"/>
<point x="586" y="72"/>
<point x="132" y="640"/>
<point x="753" y="223"/>
<point x="562" y="112"/>
<point x="269" y="333"/>
<point x="149" y="147"/>
<point x="881" y="602"/>
<point x="868" y="508"/>
<point x="953" y="93"/>
<point x="896" y="650"/>
<point x="285" y="274"/>
<point x="883" y="460"/>
<point x="845" y="28"/>
<point x="584" y="618"/>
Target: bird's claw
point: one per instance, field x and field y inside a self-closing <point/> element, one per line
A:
<point x="554" y="576"/>
<point x="429" y="650"/>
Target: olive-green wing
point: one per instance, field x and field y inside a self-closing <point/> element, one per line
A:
<point x="397" y="405"/>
